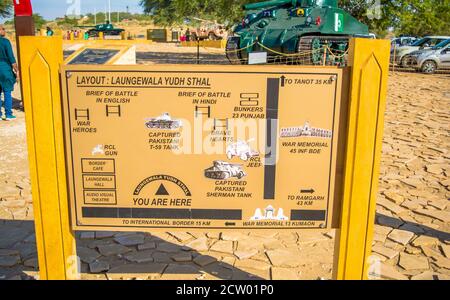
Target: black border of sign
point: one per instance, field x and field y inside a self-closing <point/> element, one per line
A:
<point x="201" y="72"/>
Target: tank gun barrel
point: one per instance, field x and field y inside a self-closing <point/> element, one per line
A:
<point x="265" y="4"/>
<point x="293" y="3"/>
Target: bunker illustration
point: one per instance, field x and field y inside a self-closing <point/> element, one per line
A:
<point x="164" y="121"/>
<point x="223" y="170"/>
<point x="242" y="150"/>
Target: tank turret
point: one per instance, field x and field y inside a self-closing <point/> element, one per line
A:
<point x="283" y="28"/>
<point x="107" y="29"/>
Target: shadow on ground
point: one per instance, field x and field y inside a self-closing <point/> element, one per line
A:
<point x="113" y="255"/>
<point x="17" y="104"/>
<point x="417" y="229"/>
<point x="116" y="255"/>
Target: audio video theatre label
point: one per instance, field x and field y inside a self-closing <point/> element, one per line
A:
<point x="202" y="147"/>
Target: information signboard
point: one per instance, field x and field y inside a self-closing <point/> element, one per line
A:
<point x="94" y="56"/>
<point x="188" y="148"/>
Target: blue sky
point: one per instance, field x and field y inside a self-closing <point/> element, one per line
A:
<point x="50" y="9"/>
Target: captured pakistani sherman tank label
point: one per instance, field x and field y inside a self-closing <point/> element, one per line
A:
<point x="202" y="147"/>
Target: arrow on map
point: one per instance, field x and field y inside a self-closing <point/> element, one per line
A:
<point x="310" y="191"/>
<point x="283" y="80"/>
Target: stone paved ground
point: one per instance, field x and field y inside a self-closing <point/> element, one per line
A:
<point x="412" y="240"/>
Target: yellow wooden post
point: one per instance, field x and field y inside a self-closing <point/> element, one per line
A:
<point x="369" y="62"/>
<point x="72" y="36"/>
<point x="101" y="35"/>
<point x="41" y="58"/>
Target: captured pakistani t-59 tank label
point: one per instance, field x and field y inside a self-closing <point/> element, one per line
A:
<point x="203" y="147"/>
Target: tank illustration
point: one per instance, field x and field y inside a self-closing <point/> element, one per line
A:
<point x="242" y="150"/>
<point x="107" y="29"/>
<point x="223" y="170"/>
<point x="295" y="26"/>
<point x="163" y="122"/>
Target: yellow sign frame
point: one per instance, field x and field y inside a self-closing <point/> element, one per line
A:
<point x="41" y="59"/>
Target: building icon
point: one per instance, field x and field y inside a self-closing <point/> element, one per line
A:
<point x="269" y="214"/>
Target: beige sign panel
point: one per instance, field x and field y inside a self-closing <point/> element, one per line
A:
<point x="201" y="147"/>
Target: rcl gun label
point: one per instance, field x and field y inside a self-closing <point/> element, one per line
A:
<point x="201" y="147"/>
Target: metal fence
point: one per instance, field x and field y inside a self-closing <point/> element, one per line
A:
<point x="323" y="56"/>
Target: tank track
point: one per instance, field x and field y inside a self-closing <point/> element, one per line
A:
<point x="235" y="57"/>
<point x="305" y="44"/>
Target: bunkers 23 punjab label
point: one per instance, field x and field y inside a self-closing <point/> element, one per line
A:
<point x="192" y="147"/>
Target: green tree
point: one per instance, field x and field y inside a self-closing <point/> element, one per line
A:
<point x="122" y="16"/>
<point x="39" y="21"/>
<point x="423" y="17"/>
<point x="67" y="22"/>
<point x="5" y="8"/>
<point x="418" y="17"/>
<point x="377" y="14"/>
<point x="169" y="12"/>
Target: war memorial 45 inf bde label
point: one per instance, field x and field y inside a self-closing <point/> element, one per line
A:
<point x="160" y="148"/>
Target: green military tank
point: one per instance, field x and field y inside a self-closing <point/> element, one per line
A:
<point x="107" y="29"/>
<point x="295" y="31"/>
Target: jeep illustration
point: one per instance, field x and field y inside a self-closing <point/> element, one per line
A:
<point x="163" y="122"/>
<point x="223" y="170"/>
<point x="242" y="150"/>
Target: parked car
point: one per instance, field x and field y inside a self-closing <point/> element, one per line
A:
<point x="403" y="41"/>
<point x="431" y="60"/>
<point x="210" y="32"/>
<point x="398" y="54"/>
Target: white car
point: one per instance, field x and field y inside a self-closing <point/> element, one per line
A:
<point x="242" y="150"/>
<point x="402" y="41"/>
<point x="399" y="54"/>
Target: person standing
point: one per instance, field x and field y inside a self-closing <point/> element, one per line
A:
<point x="49" y="31"/>
<point x="9" y="72"/>
<point x="188" y="35"/>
